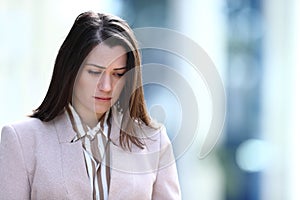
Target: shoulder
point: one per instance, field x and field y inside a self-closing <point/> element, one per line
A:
<point x="156" y="130"/>
<point x="22" y="135"/>
<point x="28" y="130"/>
<point x="27" y="125"/>
<point x="155" y="136"/>
<point x="29" y="122"/>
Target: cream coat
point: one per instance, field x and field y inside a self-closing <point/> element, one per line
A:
<point x="38" y="161"/>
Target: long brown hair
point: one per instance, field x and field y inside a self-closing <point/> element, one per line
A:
<point x="89" y="30"/>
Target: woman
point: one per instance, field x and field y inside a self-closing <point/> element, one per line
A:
<point x="91" y="137"/>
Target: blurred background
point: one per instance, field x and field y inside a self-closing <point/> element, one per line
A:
<point x="253" y="44"/>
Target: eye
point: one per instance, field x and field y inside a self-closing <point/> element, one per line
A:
<point x="94" y="72"/>
<point x="118" y="74"/>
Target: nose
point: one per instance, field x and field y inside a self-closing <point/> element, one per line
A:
<point x="104" y="83"/>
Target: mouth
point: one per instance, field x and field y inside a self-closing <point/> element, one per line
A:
<point x="103" y="98"/>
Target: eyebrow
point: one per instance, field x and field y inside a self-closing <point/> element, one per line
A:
<point x="101" y="67"/>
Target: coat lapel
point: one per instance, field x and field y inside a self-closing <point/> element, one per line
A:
<point x="73" y="162"/>
<point x="126" y="167"/>
<point x="133" y="169"/>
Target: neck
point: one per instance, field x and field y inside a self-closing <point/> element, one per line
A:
<point x="89" y="118"/>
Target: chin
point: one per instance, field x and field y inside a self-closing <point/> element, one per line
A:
<point x="102" y="109"/>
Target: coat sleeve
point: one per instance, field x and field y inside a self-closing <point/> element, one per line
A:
<point x="166" y="185"/>
<point x="14" y="182"/>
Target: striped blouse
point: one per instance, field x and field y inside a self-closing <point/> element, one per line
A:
<point x="96" y="153"/>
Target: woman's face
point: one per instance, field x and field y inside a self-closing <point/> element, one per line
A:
<point x="99" y="82"/>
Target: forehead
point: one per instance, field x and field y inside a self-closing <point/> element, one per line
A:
<point x="105" y="55"/>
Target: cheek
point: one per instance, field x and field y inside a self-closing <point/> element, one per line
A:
<point x="83" y="88"/>
<point x="76" y="89"/>
<point x="119" y="87"/>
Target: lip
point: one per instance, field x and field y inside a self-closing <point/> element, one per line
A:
<point x="103" y="98"/>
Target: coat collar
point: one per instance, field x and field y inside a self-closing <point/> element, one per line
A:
<point x="66" y="132"/>
<point x="64" y="128"/>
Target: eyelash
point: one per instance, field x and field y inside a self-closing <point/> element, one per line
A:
<point x="98" y="73"/>
<point x="119" y="74"/>
<point x="94" y="72"/>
